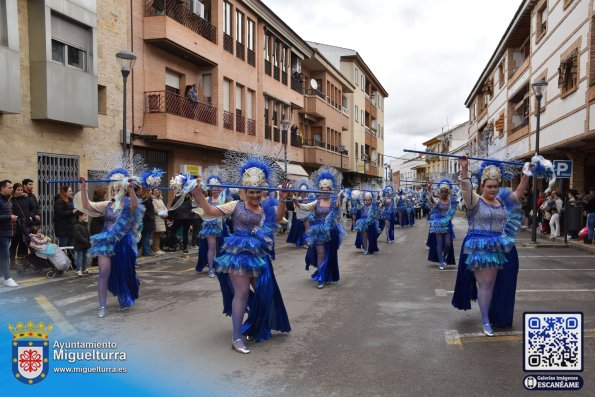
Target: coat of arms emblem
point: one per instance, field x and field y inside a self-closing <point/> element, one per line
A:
<point x="30" y="351"/>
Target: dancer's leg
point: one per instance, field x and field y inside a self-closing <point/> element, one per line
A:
<point x="440" y="247"/>
<point x="212" y="244"/>
<point x="365" y="240"/>
<point x="105" y="267"/>
<point x="387" y="227"/>
<point x="241" y="292"/>
<point x="320" y="254"/>
<point x="486" y="278"/>
<point x="447" y="245"/>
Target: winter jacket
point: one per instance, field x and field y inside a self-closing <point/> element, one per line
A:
<point x="149" y="215"/>
<point x="6" y="224"/>
<point x="81" y="235"/>
<point x="63" y="218"/>
<point x="22" y="207"/>
<point x="159" y="207"/>
<point x="34" y="204"/>
<point x="184" y="211"/>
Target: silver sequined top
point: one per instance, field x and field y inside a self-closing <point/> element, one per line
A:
<point x="487" y="217"/>
<point x="322" y="212"/>
<point x="245" y="219"/>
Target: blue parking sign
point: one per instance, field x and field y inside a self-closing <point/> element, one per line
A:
<point x="563" y="168"/>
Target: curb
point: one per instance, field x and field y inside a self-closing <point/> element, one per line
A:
<point x="546" y="243"/>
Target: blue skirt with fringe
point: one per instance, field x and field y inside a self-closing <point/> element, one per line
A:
<point x="502" y="306"/>
<point x="203" y="249"/>
<point x="242" y="254"/>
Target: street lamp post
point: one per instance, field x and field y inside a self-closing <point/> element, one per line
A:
<point x="126" y="59"/>
<point x="341" y="153"/>
<point x="538" y="87"/>
<point x="284" y="126"/>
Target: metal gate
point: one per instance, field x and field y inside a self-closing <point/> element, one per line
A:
<point x="156" y="159"/>
<point x="53" y="167"/>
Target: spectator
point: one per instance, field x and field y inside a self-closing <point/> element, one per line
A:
<point x="96" y="224"/>
<point x="589" y="204"/>
<point x="540" y="221"/>
<point x="7" y="221"/>
<point x="555" y="205"/>
<point x="64" y="217"/>
<point x="182" y="218"/>
<point x="28" y="189"/>
<point x="526" y="204"/>
<point x="148" y="223"/>
<point x="22" y="208"/>
<point x="82" y="243"/>
<point x="160" y="215"/>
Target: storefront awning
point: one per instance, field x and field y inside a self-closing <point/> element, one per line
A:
<point x="294" y="171"/>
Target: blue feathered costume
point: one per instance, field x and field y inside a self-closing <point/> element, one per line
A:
<point x="490" y="244"/>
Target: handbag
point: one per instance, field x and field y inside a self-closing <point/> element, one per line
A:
<point x="584" y="232"/>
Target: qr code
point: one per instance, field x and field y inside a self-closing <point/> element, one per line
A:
<point x="553" y="341"/>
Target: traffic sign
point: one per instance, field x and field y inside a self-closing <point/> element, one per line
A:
<point x="563" y="168"/>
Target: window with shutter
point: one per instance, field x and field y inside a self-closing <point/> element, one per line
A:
<point x="71" y="42"/>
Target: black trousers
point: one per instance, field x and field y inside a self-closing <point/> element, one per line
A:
<point x="185" y="225"/>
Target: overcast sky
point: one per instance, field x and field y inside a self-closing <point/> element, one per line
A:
<point x="427" y="54"/>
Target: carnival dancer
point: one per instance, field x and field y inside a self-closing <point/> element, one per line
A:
<point x="388" y="212"/>
<point x="116" y="246"/>
<point x="367" y="225"/>
<point x="297" y="232"/>
<point x="488" y="255"/>
<point x="326" y="232"/>
<point x="401" y="208"/>
<point x="246" y="255"/>
<point x="213" y="231"/>
<point x="354" y="202"/>
<point x="410" y="204"/>
<point x="441" y="231"/>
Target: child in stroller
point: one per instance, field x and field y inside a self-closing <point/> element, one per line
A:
<point x="44" y="254"/>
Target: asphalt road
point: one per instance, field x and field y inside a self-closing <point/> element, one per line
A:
<point x="386" y="329"/>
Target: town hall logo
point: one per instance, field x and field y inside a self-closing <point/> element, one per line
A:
<point x="30" y="351"/>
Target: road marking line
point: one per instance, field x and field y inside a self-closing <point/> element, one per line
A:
<point x="57" y="317"/>
<point x="437" y="291"/>
<point x="555" y="256"/>
<point x="74" y="299"/>
<point x="537" y="270"/>
<point x="440" y="292"/>
<point x="82" y="308"/>
<point x="453" y="337"/>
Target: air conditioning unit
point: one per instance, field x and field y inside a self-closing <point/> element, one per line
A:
<point x="198" y="8"/>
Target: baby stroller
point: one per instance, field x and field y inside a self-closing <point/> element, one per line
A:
<point x="170" y="241"/>
<point x="45" y="256"/>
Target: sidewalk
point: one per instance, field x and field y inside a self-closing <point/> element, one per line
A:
<point x="543" y="241"/>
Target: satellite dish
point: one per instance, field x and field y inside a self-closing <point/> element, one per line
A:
<point x="313" y="84"/>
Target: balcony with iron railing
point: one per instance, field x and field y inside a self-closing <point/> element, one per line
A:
<point x="268" y="68"/>
<point x="228" y="43"/>
<point x="176" y="118"/>
<point x="250" y="127"/>
<point x="168" y="102"/>
<point x="167" y="24"/>
<point x="296" y="140"/>
<point x="227" y="120"/>
<point x="251" y="58"/>
<point x="240" y="124"/>
<point x="296" y="84"/>
<point x="318" y="153"/>
<point x="240" y="50"/>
